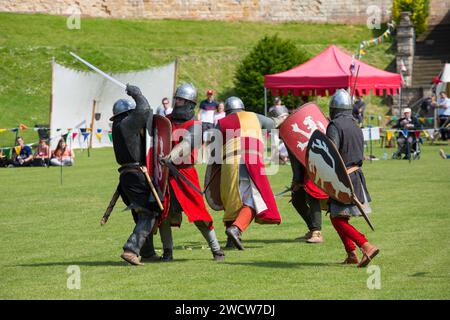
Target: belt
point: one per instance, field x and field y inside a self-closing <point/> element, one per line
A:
<point x="353" y="169"/>
<point x="126" y="167"/>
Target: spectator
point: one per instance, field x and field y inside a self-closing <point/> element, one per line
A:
<point x="426" y="105"/>
<point x="22" y="154"/>
<point x="220" y="113"/>
<point x="410" y="123"/>
<point x="42" y="154"/>
<point x="443" y="154"/>
<point x="165" y="108"/>
<point x="62" y="155"/>
<point x="277" y="105"/>
<point x="3" y="159"/>
<point x="206" y="113"/>
<point x="443" y="104"/>
<point x="358" y="109"/>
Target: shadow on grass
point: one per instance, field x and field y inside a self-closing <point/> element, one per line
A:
<point x="283" y="264"/>
<point x="426" y="275"/>
<point x="267" y="241"/>
<point x="117" y="263"/>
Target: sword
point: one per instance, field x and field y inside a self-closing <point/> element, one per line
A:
<point x="283" y="192"/>
<point x="107" y="76"/>
<point x="177" y="174"/>
<point x="110" y="208"/>
<point x="361" y="209"/>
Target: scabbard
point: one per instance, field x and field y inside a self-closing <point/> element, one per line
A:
<point x="110" y="207"/>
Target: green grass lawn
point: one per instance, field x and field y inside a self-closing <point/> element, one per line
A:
<point x="46" y="227"/>
<point x="208" y="53"/>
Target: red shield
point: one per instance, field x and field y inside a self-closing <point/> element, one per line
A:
<point x="298" y="128"/>
<point x="158" y="148"/>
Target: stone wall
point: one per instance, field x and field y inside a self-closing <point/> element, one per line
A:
<point x="321" y="11"/>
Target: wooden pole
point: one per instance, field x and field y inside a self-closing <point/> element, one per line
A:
<point x="94" y="104"/>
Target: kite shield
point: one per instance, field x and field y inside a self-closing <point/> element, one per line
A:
<point x="327" y="170"/>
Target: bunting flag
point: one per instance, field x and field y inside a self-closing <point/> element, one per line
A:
<point x="85" y="135"/>
<point x="3" y="130"/>
<point x="18" y="149"/>
<point x="422" y="120"/>
<point x="417" y="134"/>
<point x="430" y="132"/>
<point x="389" y="134"/>
<point x="430" y="120"/>
<point x="14" y="129"/>
<point x="99" y="134"/>
<point x="405" y="132"/>
<point x="74" y="134"/>
<point x="110" y="136"/>
<point x="6" y="152"/>
<point x="378" y="40"/>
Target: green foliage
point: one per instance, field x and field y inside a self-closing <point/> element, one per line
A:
<point x="270" y="55"/>
<point x="420" y="10"/>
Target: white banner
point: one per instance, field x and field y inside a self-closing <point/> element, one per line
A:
<point x="371" y="133"/>
<point x="74" y="93"/>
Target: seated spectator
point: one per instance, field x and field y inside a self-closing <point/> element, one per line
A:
<point x="3" y="159"/>
<point x="358" y="109"/>
<point x="62" y="155"/>
<point x="220" y="113"/>
<point x="42" y="154"/>
<point x="410" y="123"/>
<point x="22" y="155"/>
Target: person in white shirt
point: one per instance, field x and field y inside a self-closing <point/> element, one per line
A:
<point x="220" y="113"/>
<point x="443" y="104"/>
<point x="165" y="108"/>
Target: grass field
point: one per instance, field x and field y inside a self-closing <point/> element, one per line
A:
<point x="45" y="227"/>
<point x="208" y="53"/>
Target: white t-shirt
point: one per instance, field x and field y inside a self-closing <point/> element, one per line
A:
<point x="446" y="102"/>
<point x="206" y="115"/>
<point x="218" y="116"/>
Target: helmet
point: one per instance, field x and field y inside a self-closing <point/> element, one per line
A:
<point x="233" y="103"/>
<point x="341" y="100"/>
<point x="209" y="92"/>
<point x="186" y="91"/>
<point x="121" y="106"/>
<point x="279" y="111"/>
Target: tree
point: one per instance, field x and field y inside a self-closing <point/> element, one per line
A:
<point x="270" y="55"/>
<point x="420" y="9"/>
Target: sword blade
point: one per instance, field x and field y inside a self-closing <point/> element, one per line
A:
<point x="361" y="209"/>
<point x="107" y="76"/>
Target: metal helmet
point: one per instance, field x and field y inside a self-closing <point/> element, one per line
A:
<point x="233" y="103"/>
<point x="121" y="106"/>
<point x="186" y="91"/>
<point x="278" y="111"/>
<point x="341" y="100"/>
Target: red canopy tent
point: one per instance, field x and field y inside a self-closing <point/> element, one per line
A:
<point x="328" y="71"/>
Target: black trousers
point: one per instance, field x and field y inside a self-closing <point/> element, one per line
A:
<point x="308" y="208"/>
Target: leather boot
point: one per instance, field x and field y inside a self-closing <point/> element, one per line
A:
<point x="167" y="255"/>
<point x="131" y="258"/>
<point x="316" y="237"/>
<point x="369" y="252"/>
<point x="352" y="258"/>
<point x="234" y="233"/>
<point x="230" y="244"/>
<point x="305" y="237"/>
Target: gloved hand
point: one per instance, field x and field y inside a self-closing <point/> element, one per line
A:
<point x="165" y="160"/>
<point x="133" y="90"/>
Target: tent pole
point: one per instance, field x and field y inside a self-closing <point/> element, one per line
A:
<point x="265" y="101"/>
<point x="92" y="124"/>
